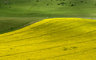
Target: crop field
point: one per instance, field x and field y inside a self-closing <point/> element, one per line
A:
<point x="51" y="39"/>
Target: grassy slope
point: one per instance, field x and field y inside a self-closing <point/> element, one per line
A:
<point x="8" y="24"/>
<point x="50" y="8"/>
<point x="51" y="39"/>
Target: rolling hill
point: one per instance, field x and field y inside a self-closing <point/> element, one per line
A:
<point x="48" y="8"/>
<point x="51" y="39"/>
<point x="15" y="14"/>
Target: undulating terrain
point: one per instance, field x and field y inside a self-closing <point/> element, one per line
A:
<point x="15" y="14"/>
<point x="47" y="29"/>
<point x="51" y="39"/>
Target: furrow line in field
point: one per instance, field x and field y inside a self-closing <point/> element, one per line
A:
<point x="69" y="54"/>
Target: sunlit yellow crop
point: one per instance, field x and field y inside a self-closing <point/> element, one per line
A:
<point x="51" y="39"/>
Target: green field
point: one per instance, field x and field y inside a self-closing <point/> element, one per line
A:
<point x="8" y="24"/>
<point x="48" y="8"/>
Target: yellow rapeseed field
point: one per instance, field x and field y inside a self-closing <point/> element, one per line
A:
<point x="51" y="39"/>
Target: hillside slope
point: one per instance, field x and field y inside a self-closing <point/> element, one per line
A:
<point x="51" y="39"/>
<point x="8" y="24"/>
<point x="50" y="8"/>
